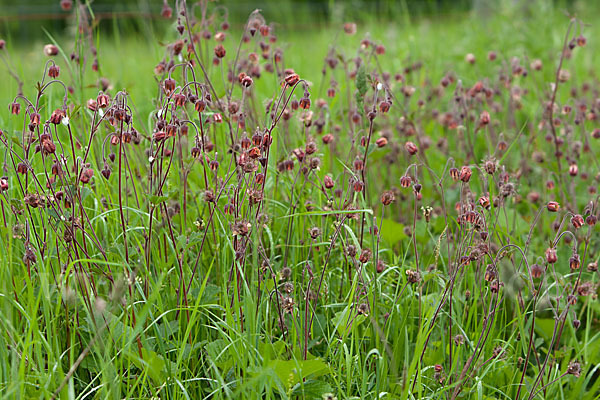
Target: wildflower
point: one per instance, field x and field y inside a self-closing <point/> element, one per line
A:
<point x="551" y="255"/>
<point x="381" y="142"/>
<point x="405" y="181"/>
<point x="574" y="368"/>
<point x="577" y="221"/>
<point x="470" y="58"/>
<point x="50" y="50"/>
<point x="53" y="71"/>
<point x="553" y="206"/>
<point x="465" y="174"/>
<point x="350" y="28"/>
<point x="166" y="11"/>
<point x="365" y="256"/>
<point x="413" y="276"/>
<point x="411" y="148"/>
<point x="454" y="173"/>
<point x="536" y="271"/>
<point x="387" y="197"/>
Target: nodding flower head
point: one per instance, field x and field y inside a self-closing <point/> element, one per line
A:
<point x="220" y="51"/>
<point x="536" y="271"/>
<point x="574" y="262"/>
<point x="387" y="197"/>
<point x="15" y="108"/>
<point x="291" y="79"/>
<point x="551" y="256"/>
<point x="169" y="86"/>
<point x="167" y="11"/>
<point x="577" y="221"/>
<point x="102" y="101"/>
<point x="574" y="368"/>
<point x="405" y="181"/>
<point x="465" y="174"/>
<point x="53" y="71"/>
<point x="553" y="206"/>
<point x="381" y="142"/>
<point x="411" y="148"/>
<point x="50" y="50"/>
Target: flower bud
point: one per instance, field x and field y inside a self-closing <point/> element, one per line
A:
<point x="553" y="206"/>
<point x="411" y="148"/>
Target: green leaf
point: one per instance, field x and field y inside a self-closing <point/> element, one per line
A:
<point x="156" y="200"/>
<point x="152" y="364"/>
<point x="392" y="232"/>
<point x="290" y="372"/>
<point x="346" y="322"/>
<point x="311" y="389"/>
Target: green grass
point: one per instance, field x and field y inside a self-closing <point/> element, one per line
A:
<point x="92" y="318"/>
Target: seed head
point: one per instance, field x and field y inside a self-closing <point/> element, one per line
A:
<point x="574" y="369"/>
<point x="413" y="276"/>
<point x="459" y="340"/>
<point x="387" y="197"/>
<point x="362" y="309"/>
<point x="314" y="232"/>
<point x="365" y="256"/>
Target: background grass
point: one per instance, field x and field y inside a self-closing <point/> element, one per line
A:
<point x="131" y="336"/>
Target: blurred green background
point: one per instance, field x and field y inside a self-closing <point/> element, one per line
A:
<point x="24" y="19"/>
<point x="132" y="35"/>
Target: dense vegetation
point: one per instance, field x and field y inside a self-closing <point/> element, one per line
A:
<point x="358" y="211"/>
